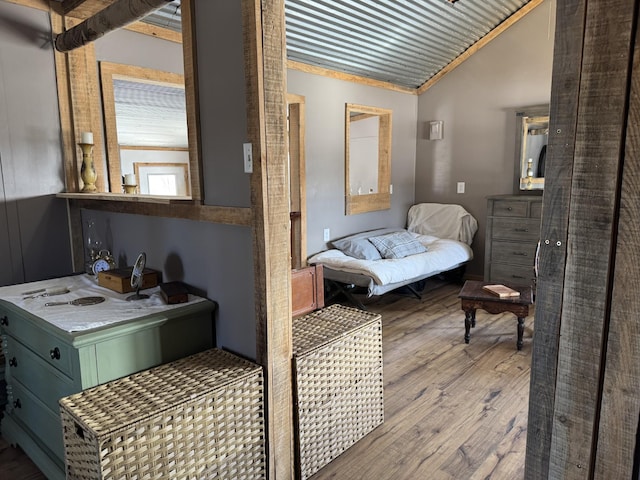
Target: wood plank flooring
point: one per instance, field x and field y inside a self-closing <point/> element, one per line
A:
<point x="452" y="411"/>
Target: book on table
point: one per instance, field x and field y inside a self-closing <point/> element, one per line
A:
<point x="501" y="291"/>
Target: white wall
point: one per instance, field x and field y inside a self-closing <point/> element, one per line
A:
<point x="325" y="100"/>
<point x="477" y="102"/>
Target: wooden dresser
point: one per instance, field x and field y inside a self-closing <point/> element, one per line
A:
<point x="513" y="230"/>
<point x="45" y="362"/>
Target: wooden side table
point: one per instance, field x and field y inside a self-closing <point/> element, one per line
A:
<point x="474" y="297"/>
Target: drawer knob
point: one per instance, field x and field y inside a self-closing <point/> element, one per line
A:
<point x="13" y="362"/>
<point x="55" y="354"/>
<point x="509" y="208"/>
<point x="17" y="403"/>
<point x="4" y="321"/>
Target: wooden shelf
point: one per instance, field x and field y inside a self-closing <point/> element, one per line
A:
<point x="125" y="197"/>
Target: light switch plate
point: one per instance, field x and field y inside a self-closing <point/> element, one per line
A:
<point x="460" y="187"/>
<point x="326" y="235"/>
<point x="248" y="157"/>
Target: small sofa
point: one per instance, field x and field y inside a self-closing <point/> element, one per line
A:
<point x="437" y="239"/>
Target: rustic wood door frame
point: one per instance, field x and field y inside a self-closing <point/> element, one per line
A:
<point x="297" y="180"/>
<point x="584" y="396"/>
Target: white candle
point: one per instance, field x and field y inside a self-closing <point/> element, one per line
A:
<point x="130" y="179"/>
<point x="87" y="137"/>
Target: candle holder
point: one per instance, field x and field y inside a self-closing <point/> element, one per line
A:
<point x="130" y="188"/>
<point x="87" y="171"/>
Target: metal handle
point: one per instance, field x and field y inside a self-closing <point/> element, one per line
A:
<point x="517" y="276"/>
<point x="4" y="321"/>
<point x="13" y="362"/>
<point x="523" y="230"/>
<point x="17" y="404"/>
<point x="520" y="254"/>
<point x="55" y="354"/>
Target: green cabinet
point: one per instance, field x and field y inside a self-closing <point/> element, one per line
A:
<point x="45" y="363"/>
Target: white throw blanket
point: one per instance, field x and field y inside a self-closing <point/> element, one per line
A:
<point x="443" y="221"/>
<point x="72" y="318"/>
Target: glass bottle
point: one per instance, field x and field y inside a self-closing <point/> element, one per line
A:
<point x="530" y="168"/>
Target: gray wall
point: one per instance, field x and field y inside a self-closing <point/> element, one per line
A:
<point x="477" y="102"/>
<point x="34" y="241"/>
<point x="325" y="100"/>
<point x="215" y="259"/>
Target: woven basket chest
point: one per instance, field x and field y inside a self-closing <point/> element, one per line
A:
<point x="200" y="417"/>
<point x="338" y="390"/>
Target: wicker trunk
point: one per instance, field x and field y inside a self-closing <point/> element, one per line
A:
<point x="200" y="417"/>
<point x="337" y="355"/>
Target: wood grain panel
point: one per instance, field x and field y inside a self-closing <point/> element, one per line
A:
<point x="592" y="215"/>
<point x="265" y="73"/>
<point x="621" y="399"/>
<point x="569" y="37"/>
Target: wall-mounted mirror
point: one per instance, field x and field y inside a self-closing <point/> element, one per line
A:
<point x="367" y="159"/>
<point x="532" y="136"/>
<point x="146" y="130"/>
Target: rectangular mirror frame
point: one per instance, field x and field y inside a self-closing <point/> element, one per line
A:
<point x="355" y="204"/>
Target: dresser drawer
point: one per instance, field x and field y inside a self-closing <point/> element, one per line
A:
<point x="509" y="208"/>
<point x="511" y="274"/>
<point x="516" y="229"/>
<point x="536" y="210"/>
<point x="40" y="378"/>
<point x="55" y="352"/>
<point x="521" y="253"/>
<point x="31" y="412"/>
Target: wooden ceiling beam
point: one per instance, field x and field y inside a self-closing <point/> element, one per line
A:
<point x="117" y="15"/>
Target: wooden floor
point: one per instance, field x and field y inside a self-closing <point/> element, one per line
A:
<point x="452" y="411"/>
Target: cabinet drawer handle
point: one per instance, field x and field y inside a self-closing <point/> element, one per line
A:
<point x="521" y="230"/>
<point x="13" y="362"/>
<point x="4" y="321"/>
<point x="55" y="354"/>
<point x="520" y="254"/>
<point x="17" y="403"/>
<point x="510" y="208"/>
<point x="517" y="276"/>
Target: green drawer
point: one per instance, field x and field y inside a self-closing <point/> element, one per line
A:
<point x="518" y="253"/>
<point x="32" y="413"/>
<point x="51" y="349"/>
<point x="44" y="381"/>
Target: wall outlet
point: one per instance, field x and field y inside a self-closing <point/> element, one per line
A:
<point x="248" y="158"/>
<point x="326" y="235"/>
<point x="460" y="187"/>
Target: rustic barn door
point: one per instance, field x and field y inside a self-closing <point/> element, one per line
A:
<point x="585" y="385"/>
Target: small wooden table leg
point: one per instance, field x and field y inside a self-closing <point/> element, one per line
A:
<point x="469" y="321"/>
<point x="520" y="332"/>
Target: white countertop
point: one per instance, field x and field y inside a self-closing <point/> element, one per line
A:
<point x="72" y="318"/>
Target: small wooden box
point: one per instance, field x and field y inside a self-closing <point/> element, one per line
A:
<point x="119" y="279"/>
<point x="174" y="292"/>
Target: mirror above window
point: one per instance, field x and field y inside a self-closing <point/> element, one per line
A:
<point x="146" y="130"/>
<point x="367" y="159"/>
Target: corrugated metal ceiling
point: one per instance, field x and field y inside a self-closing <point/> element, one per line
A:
<point x="404" y="42"/>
